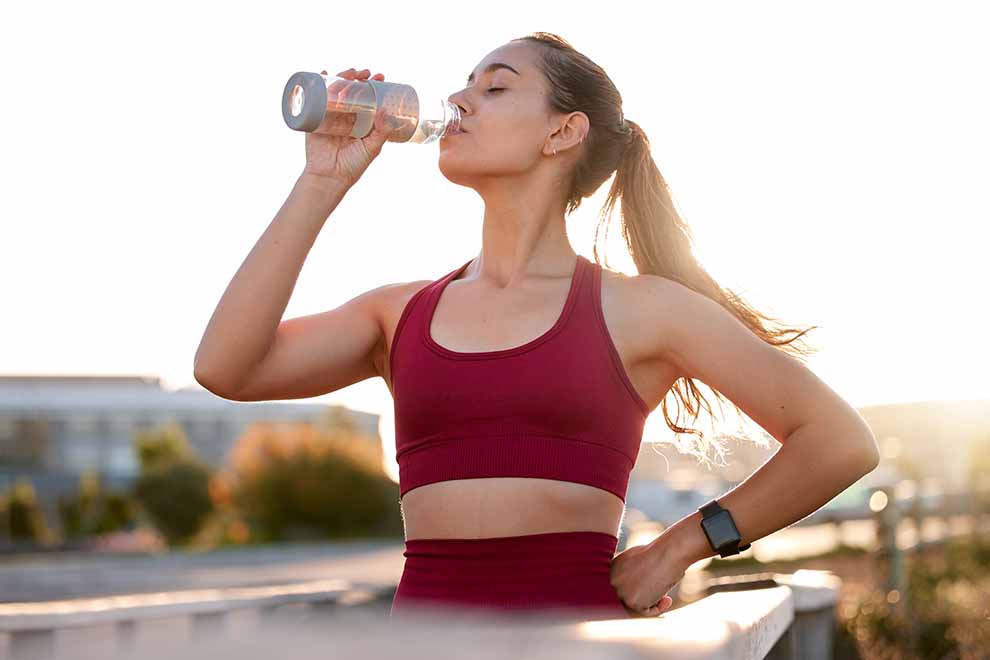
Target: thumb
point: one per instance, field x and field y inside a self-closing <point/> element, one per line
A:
<point x="662" y="606"/>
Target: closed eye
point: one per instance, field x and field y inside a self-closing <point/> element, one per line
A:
<point x="495" y="89"/>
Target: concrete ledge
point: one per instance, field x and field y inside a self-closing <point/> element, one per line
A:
<point x="784" y="617"/>
<point x="49" y="615"/>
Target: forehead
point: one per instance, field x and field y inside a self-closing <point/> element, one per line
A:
<point x="517" y="56"/>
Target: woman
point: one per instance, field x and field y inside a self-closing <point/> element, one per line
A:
<point x="522" y="379"/>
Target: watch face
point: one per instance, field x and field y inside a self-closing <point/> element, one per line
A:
<point x="720" y="528"/>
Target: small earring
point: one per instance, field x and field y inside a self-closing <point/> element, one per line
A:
<point x="555" y="151"/>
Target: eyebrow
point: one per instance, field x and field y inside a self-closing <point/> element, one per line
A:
<point x="494" y="66"/>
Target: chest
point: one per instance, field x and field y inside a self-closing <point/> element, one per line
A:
<point x="462" y="323"/>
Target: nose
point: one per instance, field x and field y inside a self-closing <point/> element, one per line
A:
<point x="457" y="99"/>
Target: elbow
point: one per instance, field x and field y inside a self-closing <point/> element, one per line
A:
<point x="861" y="448"/>
<point x="868" y="453"/>
<point x="212" y="385"/>
<point x="852" y="448"/>
<point x="869" y="463"/>
<point x="200" y="374"/>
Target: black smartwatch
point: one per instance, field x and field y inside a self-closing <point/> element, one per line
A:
<point x="720" y="529"/>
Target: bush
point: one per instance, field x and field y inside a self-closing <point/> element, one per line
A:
<point x="173" y="488"/>
<point x="293" y="481"/>
<point x="944" y="609"/>
<point x="176" y="498"/>
<point x="22" y="515"/>
<point x="94" y="509"/>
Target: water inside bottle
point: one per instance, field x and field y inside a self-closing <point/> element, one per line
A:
<point x="351" y="106"/>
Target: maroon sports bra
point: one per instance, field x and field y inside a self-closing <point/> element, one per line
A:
<point x="558" y="407"/>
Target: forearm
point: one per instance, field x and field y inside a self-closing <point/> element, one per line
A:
<point x="240" y="332"/>
<point x="816" y="463"/>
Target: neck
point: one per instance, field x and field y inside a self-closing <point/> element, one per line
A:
<point x="523" y="237"/>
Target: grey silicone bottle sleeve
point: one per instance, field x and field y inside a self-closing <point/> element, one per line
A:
<point x="314" y="108"/>
<point x="365" y="121"/>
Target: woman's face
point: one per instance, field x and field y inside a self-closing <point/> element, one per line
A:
<point x="506" y="116"/>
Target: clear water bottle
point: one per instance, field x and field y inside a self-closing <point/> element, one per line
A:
<point x="318" y="103"/>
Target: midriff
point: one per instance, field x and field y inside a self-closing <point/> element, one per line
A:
<point x="508" y="506"/>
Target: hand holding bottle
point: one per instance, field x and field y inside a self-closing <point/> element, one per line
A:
<point x="343" y="159"/>
<point x="348" y="105"/>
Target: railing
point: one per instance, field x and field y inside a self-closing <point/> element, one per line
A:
<point x="895" y="504"/>
<point x="777" y="616"/>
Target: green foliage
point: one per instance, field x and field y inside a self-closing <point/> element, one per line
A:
<point x="173" y="487"/>
<point x="162" y="447"/>
<point x="176" y="497"/>
<point x="293" y="482"/>
<point x="22" y="516"/>
<point x="283" y="482"/>
<point x="944" y="610"/>
<point x="329" y="496"/>
<point x="94" y="509"/>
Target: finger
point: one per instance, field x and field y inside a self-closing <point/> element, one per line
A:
<point x="379" y="132"/>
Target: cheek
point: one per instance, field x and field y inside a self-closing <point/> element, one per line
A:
<point x="516" y="140"/>
<point x="512" y="153"/>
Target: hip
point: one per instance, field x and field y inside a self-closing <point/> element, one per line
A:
<point x="556" y="574"/>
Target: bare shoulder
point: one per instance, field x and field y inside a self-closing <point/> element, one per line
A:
<point x="617" y="283"/>
<point x="670" y="310"/>
<point x="393" y="297"/>
<point x="390" y="302"/>
<point x="665" y="318"/>
<point x="632" y="304"/>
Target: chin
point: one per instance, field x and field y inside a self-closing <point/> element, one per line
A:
<point x="453" y="177"/>
<point x="452" y="171"/>
<point x="460" y="179"/>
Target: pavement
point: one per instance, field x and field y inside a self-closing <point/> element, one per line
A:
<point x="79" y="575"/>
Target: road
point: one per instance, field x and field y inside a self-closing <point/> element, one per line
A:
<point x="44" y="577"/>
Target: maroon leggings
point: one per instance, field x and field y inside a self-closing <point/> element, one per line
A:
<point x="557" y="573"/>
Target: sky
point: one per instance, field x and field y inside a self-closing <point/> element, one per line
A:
<point x="831" y="159"/>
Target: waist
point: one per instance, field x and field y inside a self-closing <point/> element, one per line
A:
<point x="598" y="547"/>
<point x="508" y="506"/>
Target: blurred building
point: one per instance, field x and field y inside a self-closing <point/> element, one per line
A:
<point x="53" y="428"/>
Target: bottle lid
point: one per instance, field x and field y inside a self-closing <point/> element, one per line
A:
<point x="304" y="101"/>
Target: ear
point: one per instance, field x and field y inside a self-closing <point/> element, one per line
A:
<point x="571" y="131"/>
